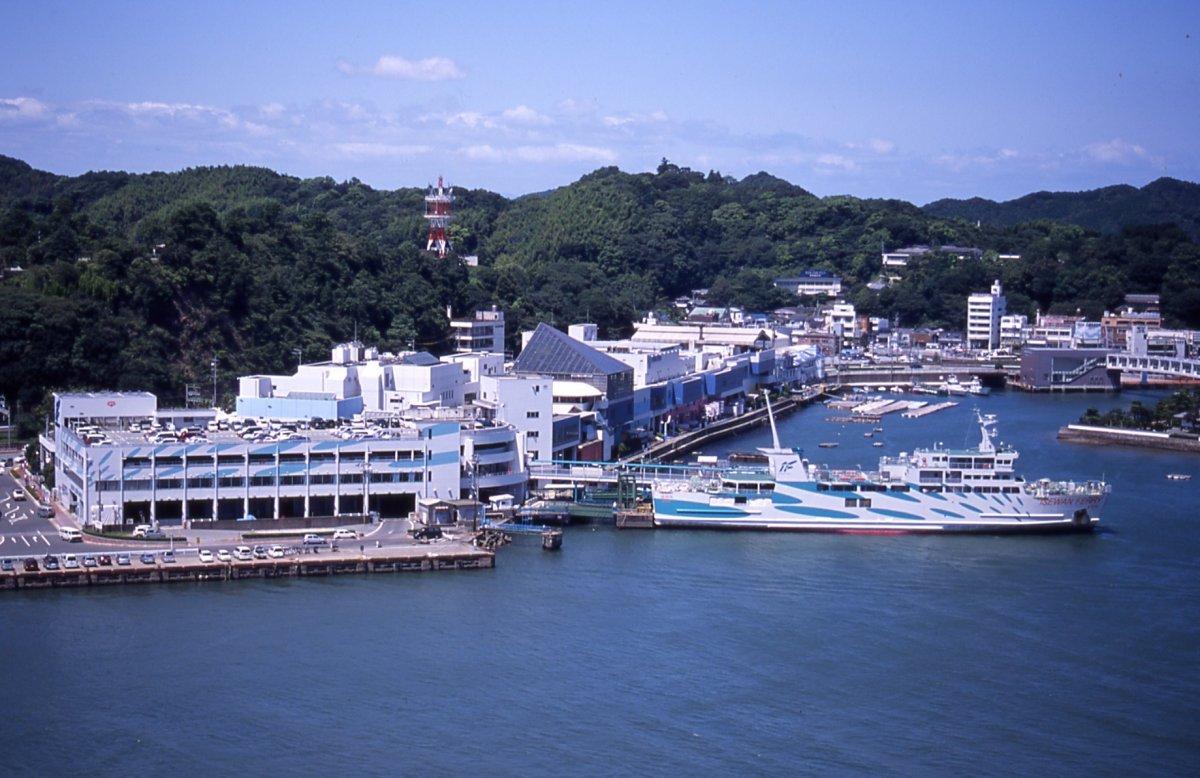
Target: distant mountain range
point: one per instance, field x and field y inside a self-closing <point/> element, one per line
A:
<point x="1165" y="200"/>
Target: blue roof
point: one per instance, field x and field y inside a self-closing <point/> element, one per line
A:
<point x="553" y="352"/>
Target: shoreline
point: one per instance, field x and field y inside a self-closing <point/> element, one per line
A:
<point x="1084" y="433"/>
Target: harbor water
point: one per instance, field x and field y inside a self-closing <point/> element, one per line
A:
<point x="644" y="652"/>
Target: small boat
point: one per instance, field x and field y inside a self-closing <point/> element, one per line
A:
<point x="868" y="434"/>
<point x="878" y="429"/>
<point x="898" y="389"/>
<point x="1178" y="476"/>
<point x="878" y="444"/>
<point x="976" y="387"/>
<point x="827" y="444"/>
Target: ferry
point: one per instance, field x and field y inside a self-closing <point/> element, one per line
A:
<point x="936" y="490"/>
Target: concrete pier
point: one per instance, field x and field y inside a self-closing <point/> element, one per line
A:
<point x="457" y="556"/>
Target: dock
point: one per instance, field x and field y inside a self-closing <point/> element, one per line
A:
<point x="417" y="558"/>
<point x="917" y="413"/>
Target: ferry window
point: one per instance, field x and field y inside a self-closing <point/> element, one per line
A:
<point x="934" y="474"/>
<point x="899" y="488"/>
<point x="228" y="459"/>
<point x="960" y="461"/>
<point x="983" y="464"/>
<point x="822" y="487"/>
<point x="739" y="499"/>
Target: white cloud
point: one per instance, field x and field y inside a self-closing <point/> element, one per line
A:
<point x="881" y="146"/>
<point x="523" y="114"/>
<point x="557" y="152"/>
<point x="628" y="119"/>
<point x="391" y="66"/>
<point x="271" y="110"/>
<point x="375" y="150"/>
<point x="836" y="161"/>
<point x="573" y="107"/>
<point x="1116" y="150"/>
<point x="22" y="108"/>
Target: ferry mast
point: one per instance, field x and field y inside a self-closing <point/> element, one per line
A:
<point x="439" y="204"/>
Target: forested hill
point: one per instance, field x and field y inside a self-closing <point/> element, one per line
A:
<point x="137" y="281"/>
<point x="1163" y="201"/>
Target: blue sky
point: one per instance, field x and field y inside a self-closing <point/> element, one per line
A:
<point x="872" y="99"/>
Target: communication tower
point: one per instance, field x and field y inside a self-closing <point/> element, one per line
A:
<point x="439" y="204"/>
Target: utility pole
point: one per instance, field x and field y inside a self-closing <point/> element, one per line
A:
<point x="215" y="362"/>
<point x="299" y="354"/>
<point x="366" y="485"/>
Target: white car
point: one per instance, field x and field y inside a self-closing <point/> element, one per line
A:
<point x="276" y="552"/>
<point x="224" y="555"/>
<point x="243" y="553"/>
<point x="206" y="556"/>
<point x="18" y="495"/>
<point x="345" y="534"/>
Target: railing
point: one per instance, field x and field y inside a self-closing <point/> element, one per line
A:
<point x="1151" y="364"/>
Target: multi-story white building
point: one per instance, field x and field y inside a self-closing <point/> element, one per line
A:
<point x="1014" y="330"/>
<point x="812" y="283"/>
<point x="984" y="310"/>
<point x="112" y="467"/>
<point x="485" y="332"/>
<point x="356" y="379"/>
<point x="842" y="320"/>
<point x="525" y="402"/>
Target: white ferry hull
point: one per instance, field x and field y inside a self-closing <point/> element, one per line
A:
<point x="803" y="510"/>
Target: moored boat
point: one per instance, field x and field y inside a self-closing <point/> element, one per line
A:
<point x="936" y="490"/>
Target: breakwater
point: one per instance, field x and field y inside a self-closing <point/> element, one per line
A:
<point x="1108" y="436"/>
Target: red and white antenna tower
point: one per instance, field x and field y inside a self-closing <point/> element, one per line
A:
<point x="439" y="203"/>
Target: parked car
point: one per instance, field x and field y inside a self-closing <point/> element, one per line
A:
<point x="243" y="553"/>
<point x="31" y="565"/>
<point x="169" y="557"/>
<point x="45" y="512"/>
<point x="70" y="562"/>
<point x="6" y="565"/>
<point x="276" y="552"/>
<point x="140" y="530"/>
<point x="123" y="559"/>
<point x="147" y="559"/>
<point x="89" y="560"/>
<point x="105" y="560"/>
<point x="155" y="534"/>
<point x="345" y="534"/>
<point x="314" y="540"/>
<point x="18" y="494"/>
<point x="206" y="556"/>
<point x="260" y="552"/>
<point x="50" y="562"/>
<point x="224" y="555"/>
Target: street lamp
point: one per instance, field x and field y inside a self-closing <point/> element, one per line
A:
<point x="366" y="485"/>
<point x="215" y="361"/>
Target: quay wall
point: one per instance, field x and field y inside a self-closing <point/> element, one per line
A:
<point x="417" y="559"/>
<point x="1106" y="436"/>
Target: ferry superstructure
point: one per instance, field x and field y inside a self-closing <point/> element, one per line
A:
<point x="938" y="490"/>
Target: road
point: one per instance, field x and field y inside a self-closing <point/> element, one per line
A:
<point x="22" y="532"/>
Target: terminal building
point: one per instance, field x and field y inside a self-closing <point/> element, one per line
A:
<point x="119" y="460"/>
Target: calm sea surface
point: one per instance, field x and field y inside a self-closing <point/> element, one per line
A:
<point x="645" y="652"/>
